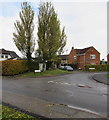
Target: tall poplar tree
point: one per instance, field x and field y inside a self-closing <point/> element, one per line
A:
<point x="23" y="37"/>
<point x="51" y="39"/>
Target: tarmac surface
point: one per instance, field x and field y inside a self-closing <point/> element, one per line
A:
<point x="44" y="108"/>
<point x="102" y="78"/>
<point x="75" y="95"/>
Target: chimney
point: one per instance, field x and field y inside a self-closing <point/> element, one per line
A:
<point x="72" y="48"/>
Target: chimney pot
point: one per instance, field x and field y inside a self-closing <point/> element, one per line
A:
<point x="72" y="48"/>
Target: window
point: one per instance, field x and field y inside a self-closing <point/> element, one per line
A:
<point x="2" y="56"/>
<point x="6" y="56"/>
<point x="93" y="63"/>
<point x="74" y="57"/>
<point x="92" y="56"/>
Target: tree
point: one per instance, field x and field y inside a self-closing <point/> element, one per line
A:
<point x="23" y="37"/>
<point x="51" y="40"/>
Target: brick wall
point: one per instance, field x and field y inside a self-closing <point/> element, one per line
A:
<point x="92" y="51"/>
<point x="85" y="58"/>
<point x="80" y="61"/>
<point x="71" y="58"/>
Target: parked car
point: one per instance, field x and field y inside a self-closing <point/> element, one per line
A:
<point x="68" y="68"/>
<point x="61" y="67"/>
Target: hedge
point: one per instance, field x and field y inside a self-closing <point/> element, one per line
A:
<point x="97" y="67"/>
<point x="13" y="67"/>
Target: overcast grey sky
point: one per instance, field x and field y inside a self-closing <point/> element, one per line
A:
<point x="85" y="24"/>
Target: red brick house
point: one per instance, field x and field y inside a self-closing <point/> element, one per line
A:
<point x="84" y="56"/>
<point x="108" y="59"/>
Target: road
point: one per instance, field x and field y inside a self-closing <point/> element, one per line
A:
<point x="77" y="90"/>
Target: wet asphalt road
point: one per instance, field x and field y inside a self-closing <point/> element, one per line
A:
<point x="75" y="90"/>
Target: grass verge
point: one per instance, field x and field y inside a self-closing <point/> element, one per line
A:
<point x="107" y="75"/>
<point x="45" y="73"/>
<point x="12" y="113"/>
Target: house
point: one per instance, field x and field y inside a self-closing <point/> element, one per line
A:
<point x="84" y="56"/>
<point x="108" y="59"/>
<point x="72" y="57"/>
<point x="64" y="59"/>
<point x="6" y="54"/>
<point x="81" y="57"/>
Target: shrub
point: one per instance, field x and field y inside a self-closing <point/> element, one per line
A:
<point x="13" y="67"/>
<point x="100" y="67"/>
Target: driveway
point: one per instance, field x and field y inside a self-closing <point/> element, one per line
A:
<point x="77" y="90"/>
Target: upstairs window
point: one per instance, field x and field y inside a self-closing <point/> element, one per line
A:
<point x="74" y="57"/>
<point x="92" y="56"/>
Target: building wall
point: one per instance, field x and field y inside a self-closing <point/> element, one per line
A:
<point x="64" y="61"/>
<point x="72" y="58"/>
<point x="80" y="61"/>
<point x="88" y="60"/>
<point x="4" y="57"/>
<point x="84" y="59"/>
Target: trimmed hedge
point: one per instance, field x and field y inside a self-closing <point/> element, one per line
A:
<point x="13" y="67"/>
<point x="97" y="67"/>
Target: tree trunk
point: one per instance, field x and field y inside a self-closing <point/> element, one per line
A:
<point x="29" y="60"/>
<point x="49" y="65"/>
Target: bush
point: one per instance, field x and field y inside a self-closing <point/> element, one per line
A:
<point x="97" y="67"/>
<point x="13" y="67"/>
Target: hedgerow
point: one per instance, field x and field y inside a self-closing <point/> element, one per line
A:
<point x="99" y="67"/>
<point x="13" y="67"/>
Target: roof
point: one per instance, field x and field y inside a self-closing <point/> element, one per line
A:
<point x="63" y="57"/>
<point x="11" y="53"/>
<point x="82" y="51"/>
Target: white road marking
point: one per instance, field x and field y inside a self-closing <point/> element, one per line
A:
<point x="84" y="109"/>
<point x="62" y="83"/>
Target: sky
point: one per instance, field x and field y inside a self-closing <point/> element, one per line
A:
<point x="85" y="23"/>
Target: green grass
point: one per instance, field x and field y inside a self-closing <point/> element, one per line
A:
<point x="11" y="113"/>
<point x="45" y="73"/>
<point x="107" y="75"/>
<point x="0" y="112"/>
